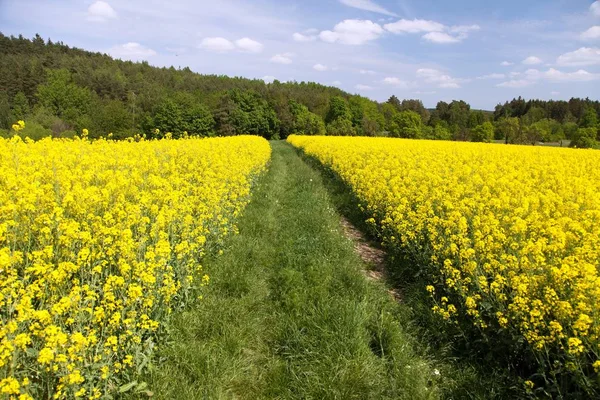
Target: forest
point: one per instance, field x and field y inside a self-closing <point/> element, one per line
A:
<point x="60" y="90"/>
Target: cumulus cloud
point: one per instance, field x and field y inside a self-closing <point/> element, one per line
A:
<point x="464" y="29"/>
<point x="394" y="81"/>
<point x="100" y="11"/>
<point x="216" y="44"/>
<point x="532" y="60"/>
<point x="131" y="51"/>
<point x="580" y="57"/>
<point x="320" y="67"/>
<point x="268" y="78"/>
<point x="591" y="34"/>
<point x="515" y="83"/>
<point x="222" y="45"/>
<point x="595" y="8"/>
<point x="441" y="80"/>
<point x="492" y="76"/>
<point x="284" y="58"/>
<point x="367" y="72"/>
<point x="506" y="63"/>
<point x="367" y="5"/>
<point x="352" y="32"/>
<point x="363" y="87"/>
<point x="434" y="32"/>
<point x="336" y="83"/>
<point x="559" y="76"/>
<point x="249" y="45"/>
<point x="414" y="26"/>
<point x="440" y="37"/>
<point x="533" y="76"/>
<point x="299" y="37"/>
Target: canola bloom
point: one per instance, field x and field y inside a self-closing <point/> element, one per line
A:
<point x="507" y="237"/>
<point x="99" y="242"/>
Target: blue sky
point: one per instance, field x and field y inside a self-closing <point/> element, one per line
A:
<point x="483" y="52"/>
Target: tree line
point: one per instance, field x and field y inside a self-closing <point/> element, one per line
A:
<point x="60" y="90"/>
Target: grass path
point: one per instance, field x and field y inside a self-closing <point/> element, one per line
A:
<point x="289" y="313"/>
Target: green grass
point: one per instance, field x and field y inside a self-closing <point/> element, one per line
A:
<point x="289" y="313"/>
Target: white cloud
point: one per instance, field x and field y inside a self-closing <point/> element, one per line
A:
<point x="249" y="45"/>
<point x="268" y="78"/>
<point x="464" y="28"/>
<point x="553" y="75"/>
<point x="352" y="32"/>
<point x="434" y="31"/>
<point x="580" y="57"/>
<point x="216" y="44"/>
<point x="320" y="67"/>
<point x="100" y="11"/>
<point x="367" y="5"/>
<point x="554" y="93"/>
<point x="414" y="26"/>
<point x="392" y="80"/>
<point x="492" y="76"/>
<point x="506" y="63"/>
<point x="519" y="83"/>
<point x="363" y="87"/>
<point x="532" y="60"/>
<point x="595" y="8"/>
<point x="299" y="37"/>
<point x="514" y="73"/>
<point x="367" y="72"/>
<point x="131" y="51"/>
<point x="438" y="78"/>
<point x="591" y="34"/>
<point x="577" y="76"/>
<point x="222" y="45"/>
<point x="440" y="37"/>
<point x="336" y="83"/>
<point x="285" y="58"/>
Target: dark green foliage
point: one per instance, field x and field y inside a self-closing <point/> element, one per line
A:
<point x="338" y="109"/>
<point x="20" y="106"/>
<point x="63" y="97"/>
<point x="341" y="127"/>
<point x="406" y="124"/>
<point x="305" y="122"/>
<point x="585" y="138"/>
<point x="81" y="89"/>
<point x="483" y="133"/>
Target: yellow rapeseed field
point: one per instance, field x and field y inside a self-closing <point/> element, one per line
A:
<point x="508" y="236"/>
<point x="99" y="242"/>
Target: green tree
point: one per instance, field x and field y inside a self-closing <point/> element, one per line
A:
<point x="510" y="129"/>
<point x="406" y="124"/>
<point x="476" y="118"/>
<point x="589" y="118"/>
<point x="338" y="109"/>
<point x="20" y="106"/>
<point x="168" y="118"/>
<point x="198" y="120"/>
<point x="585" y="138"/>
<point x="341" y="127"/>
<point x="305" y="122"/>
<point x="483" y="133"/>
<point x="440" y="132"/>
<point x="63" y="97"/>
<point x="6" y="118"/>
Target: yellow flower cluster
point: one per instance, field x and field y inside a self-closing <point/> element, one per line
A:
<point x="508" y="236"/>
<point x="99" y="242"/>
<point x="19" y="126"/>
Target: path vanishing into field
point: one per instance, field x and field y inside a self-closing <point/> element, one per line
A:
<point x="289" y="313"/>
